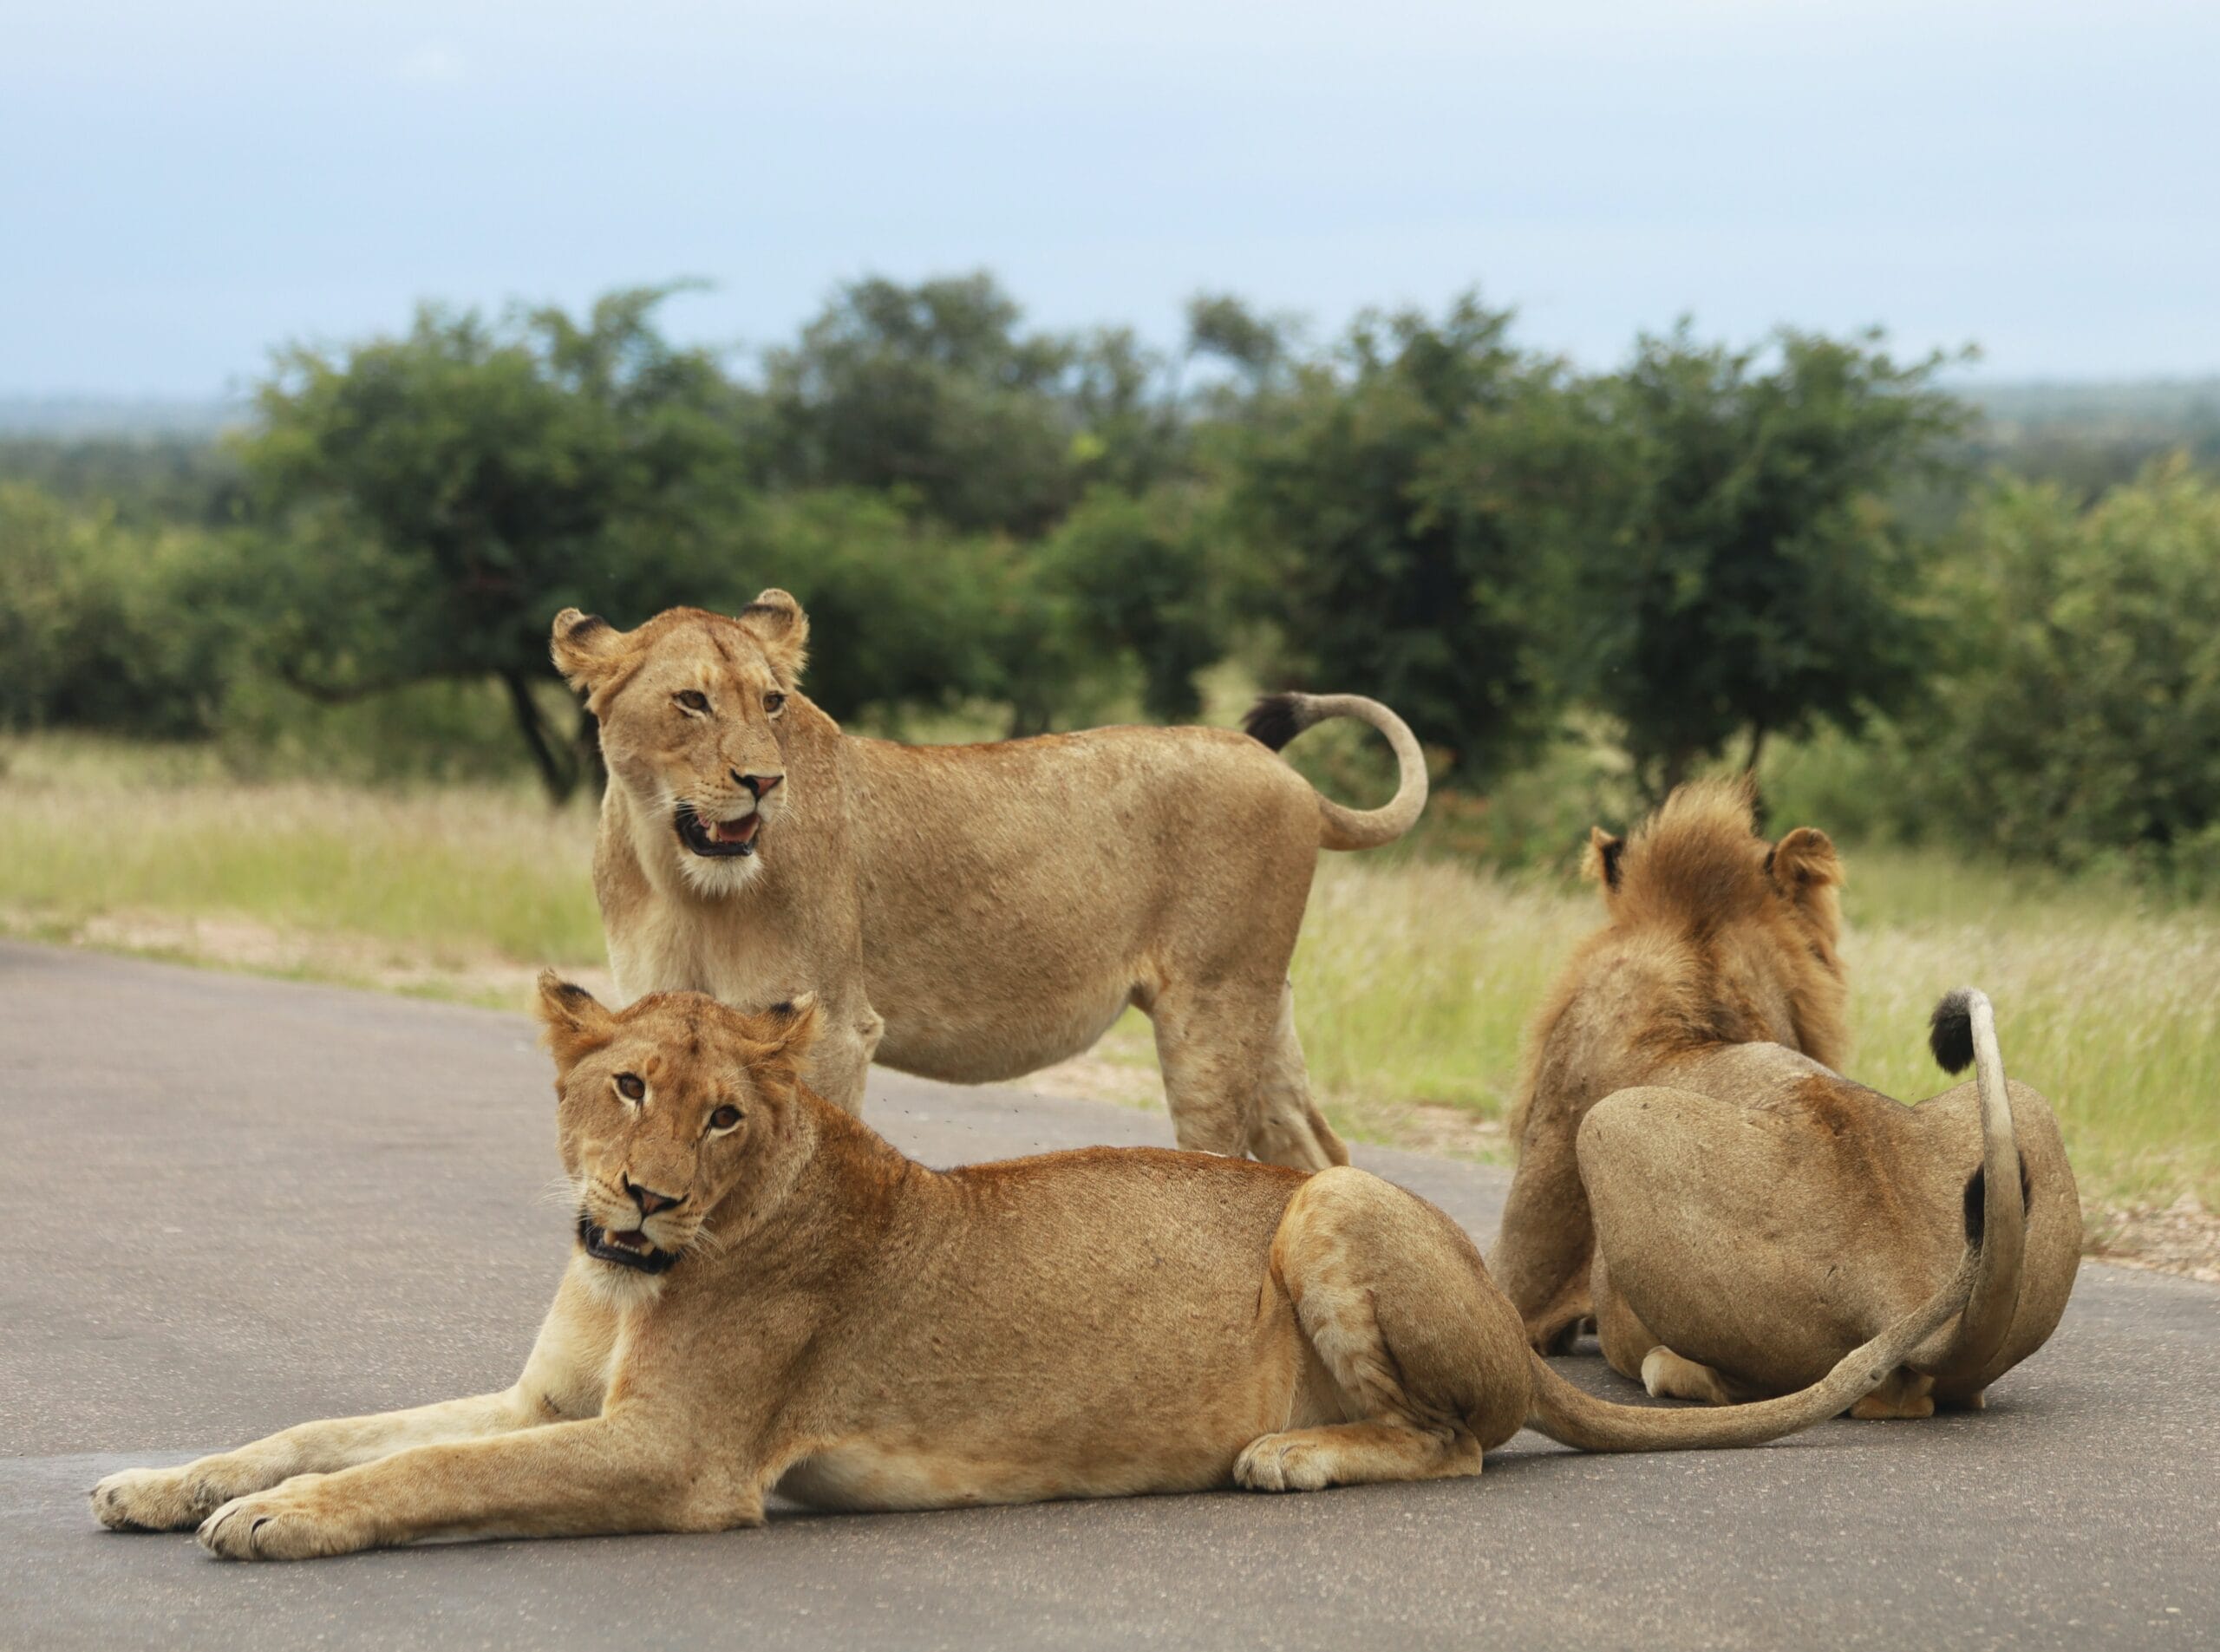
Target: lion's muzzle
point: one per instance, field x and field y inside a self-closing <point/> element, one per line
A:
<point x="717" y="839"/>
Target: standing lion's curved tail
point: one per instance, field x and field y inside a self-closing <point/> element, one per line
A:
<point x="1964" y="1034"/>
<point x="1574" y="1418"/>
<point x="1278" y="718"/>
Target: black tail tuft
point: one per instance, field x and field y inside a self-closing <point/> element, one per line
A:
<point x="1977" y="1206"/>
<point x="1950" y="1034"/>
<point x="1275" y="719"/>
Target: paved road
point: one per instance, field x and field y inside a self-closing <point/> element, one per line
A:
<point x="232" y="1205"/>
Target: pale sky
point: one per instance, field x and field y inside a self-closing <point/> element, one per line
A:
<point x="184" y="186"/>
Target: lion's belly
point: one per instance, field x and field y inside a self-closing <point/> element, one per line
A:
<point x="1128" y="1455"/>
<point x="867" y="1474"/>
<point x="964" y="1041"/>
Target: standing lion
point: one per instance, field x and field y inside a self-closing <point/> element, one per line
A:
<point x="968" y="913"/>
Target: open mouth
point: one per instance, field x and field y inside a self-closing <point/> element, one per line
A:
<point x="632" y="1250"/>
<point x="718" y="839"/>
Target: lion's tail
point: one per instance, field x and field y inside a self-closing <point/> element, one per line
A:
<point x="1567" y="1414"/>
<point x="1964" y="1034"/>
<point x="1278" y="718"/>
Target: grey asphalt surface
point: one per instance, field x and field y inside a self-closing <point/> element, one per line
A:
<point x="232" y="1204"/>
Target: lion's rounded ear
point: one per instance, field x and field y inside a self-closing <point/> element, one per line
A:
<point x="573" y="1023"/>
<point x="589" y="651"/>
<point x="792" y="1026"/>
<point x="776" y="622"/>
<point x="1803" y="862"/>
<point x="780" y="1038"/>
<point x="1601" y="860"/>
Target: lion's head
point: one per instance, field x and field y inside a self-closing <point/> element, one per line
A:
<point x="691" y="706"/>
<point x="1697" y="870"/>
<point x="667" y="1110"/>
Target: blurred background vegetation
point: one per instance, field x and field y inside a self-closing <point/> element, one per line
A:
<point x="294" y="672"/>
<point x="1989" y="626"/>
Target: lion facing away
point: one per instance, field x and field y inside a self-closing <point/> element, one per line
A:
<point x="763" y="1294"/>
<point x="970" y="913"/>
<point x="1715" y="939"/>
<point x="1756" y="1217"/>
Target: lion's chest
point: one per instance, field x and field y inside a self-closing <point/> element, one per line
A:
<point x="671" y="949"/>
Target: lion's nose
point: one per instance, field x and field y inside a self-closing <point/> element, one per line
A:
<point x="650" y="1201"/>
<point x="758" y="784"/>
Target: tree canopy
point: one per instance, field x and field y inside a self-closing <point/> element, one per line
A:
<point x="438" y="495"/>
<point x="1757" y="578"/>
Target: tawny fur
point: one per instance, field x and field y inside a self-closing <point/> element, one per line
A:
<point x="1757" y="1214"/>
<point x="853" y="1331"/>
<point x="1715" y="938"/>
<point x="970" y="913"/>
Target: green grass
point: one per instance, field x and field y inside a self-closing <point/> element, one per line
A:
<point x="1414" y="979"/>
<point x="90" y="828"/>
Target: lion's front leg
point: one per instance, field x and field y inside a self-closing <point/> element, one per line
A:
<point x="172" y="1500"/>
<point x="839" y="1065"/>
<point x="565" y="1377"/>
<point x="604" y="1475"/>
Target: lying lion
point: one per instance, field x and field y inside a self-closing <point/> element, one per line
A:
<point x="1717" y="941"/>
<point x="970" y="913"/>
<point x="766" y="1295"/>
<point x="1750" y="1231"/>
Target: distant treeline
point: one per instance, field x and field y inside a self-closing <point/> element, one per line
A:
<point x="1712" y="551"/>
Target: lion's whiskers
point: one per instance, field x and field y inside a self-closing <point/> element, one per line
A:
<point x="560" y="1190"/>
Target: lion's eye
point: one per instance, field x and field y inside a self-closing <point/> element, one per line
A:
<point x="775" y="703"/>
<point x="630" y="1086"/>
<point x="693" y="700"/>
<point x="724" y="1118"/>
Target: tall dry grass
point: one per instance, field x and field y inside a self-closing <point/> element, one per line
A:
<point x="1414" y="980"/>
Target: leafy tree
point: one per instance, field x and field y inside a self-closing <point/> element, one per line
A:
<point x="2084" y="692"/>
<point x="1222" y="327"/>
<point x="1136" y="578"/>
<point x="1760" y="580"/>
<point x="436" y="497"/>
<point x="903" y="614"/>
<point x="105" y="626"/>
<point x="143" y="481"/>
<point x="1407" y="498"/>
<point x="929" y="392"/>
<point x="933" y="394"/>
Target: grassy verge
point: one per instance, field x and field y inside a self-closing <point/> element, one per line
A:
<point x="1414" y="982"/>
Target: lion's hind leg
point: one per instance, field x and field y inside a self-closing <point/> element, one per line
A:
<point x="1632" y="1350"/>
<point x="1428" y="1358"/>
<point x="1670" y="1376"/>
<point x="1906" y="1394"/>
<point x="1210" y="1045"/>
<point x="1289" y="1128"/>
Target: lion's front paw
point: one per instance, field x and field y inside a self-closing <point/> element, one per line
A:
<point x="293" y="1522"/>
<point x="1284" y="1463"/>
<point x="164" y="1499"/>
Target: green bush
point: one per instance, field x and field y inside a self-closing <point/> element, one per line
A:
<point x="2083" y="723"/>
<point x="108" y="627"/>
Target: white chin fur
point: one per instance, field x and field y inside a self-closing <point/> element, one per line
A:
<point x="620" y="1286"/>
<point x="724" y="875"/>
